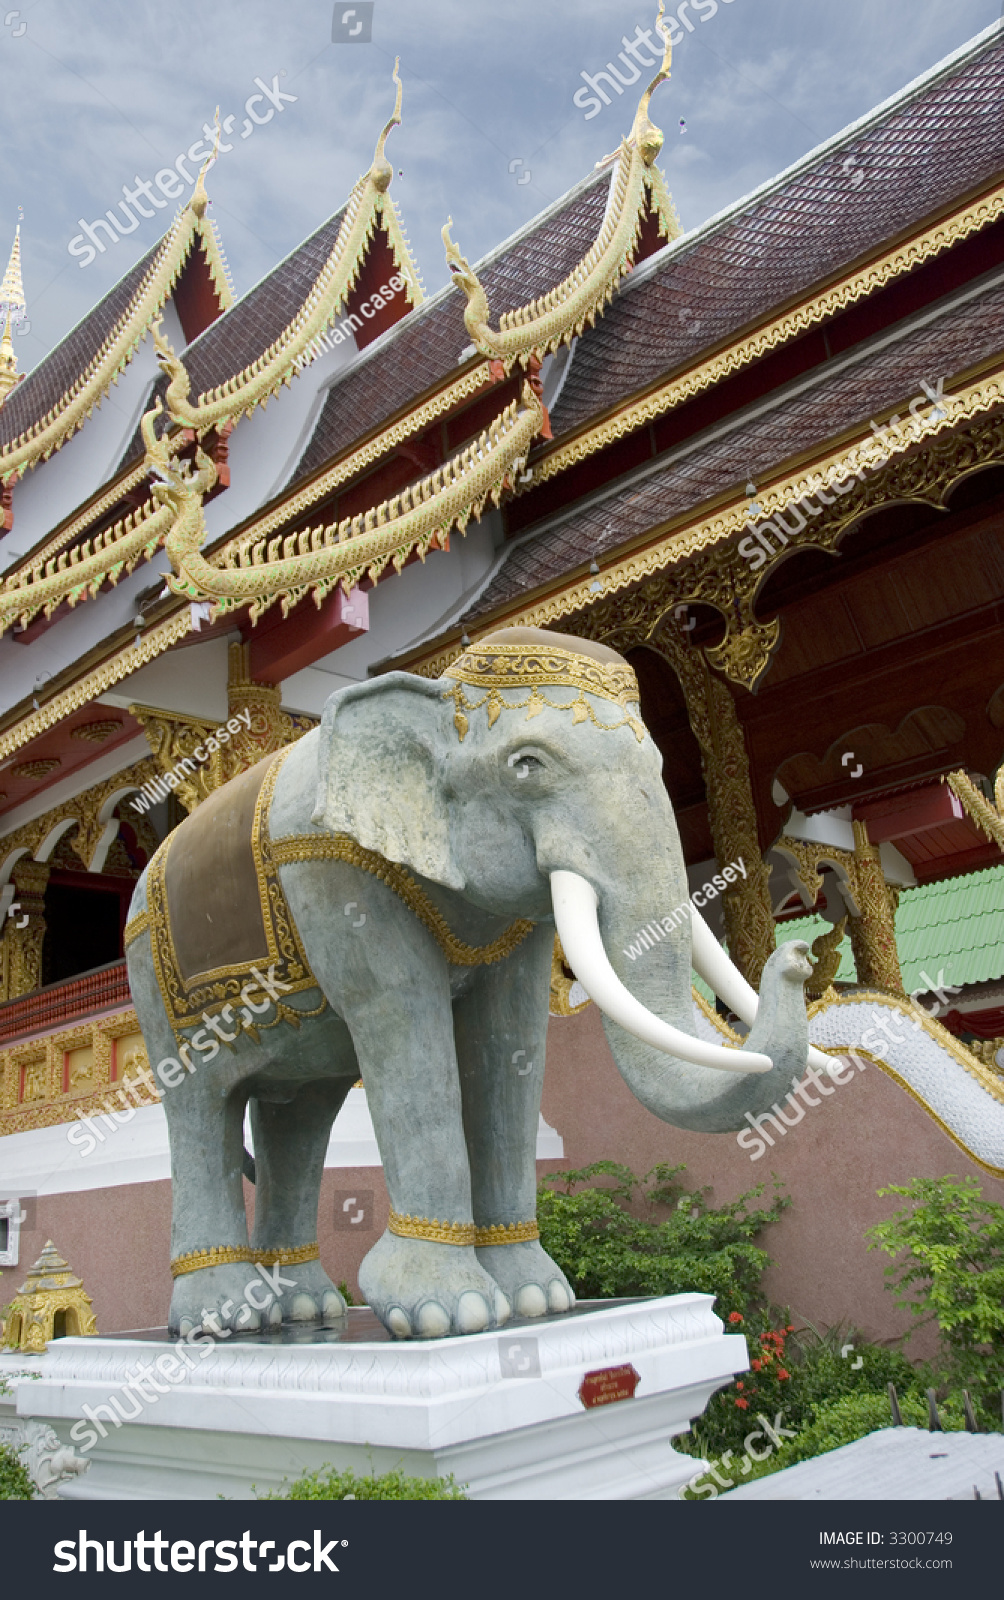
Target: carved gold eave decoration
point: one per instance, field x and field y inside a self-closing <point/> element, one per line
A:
<point x="190" y="230"/>
<point x="89" y="812"/>
<point x="697" y="561"/>
<point x="559" y="316"/>
<point x="369" y="207"/>
<point x="257" y="572"/>
<point x="987" y="816"/>
<point x="829" y="302"/>
<point x="97" y="680"/>
<point x="81" y="570"/>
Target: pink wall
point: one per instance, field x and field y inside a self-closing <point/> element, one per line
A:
<point x="867" y="1134"/>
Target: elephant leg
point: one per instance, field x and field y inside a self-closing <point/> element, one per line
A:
<point x="290" y="1141"/>
<point x="207" y="1141"/>
<point x="500" y="1026"/>
<point x="415" y="1281"/>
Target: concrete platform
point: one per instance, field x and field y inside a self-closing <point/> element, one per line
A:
<point x="502" y="1411"/>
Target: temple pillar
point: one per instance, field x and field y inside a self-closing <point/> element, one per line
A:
<point x="25" y="929"/>
<point x="873" y="933"/>
<point x="749" y="918"/>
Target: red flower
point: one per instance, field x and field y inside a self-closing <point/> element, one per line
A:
<point x="740" y="1385"/>
<point x="781" y="1373"/>
<point x="790" y="1328"/>
<point x="743" y="1405"/>
<point x="755" y="1364"/>
<point x="734" y="1316"/>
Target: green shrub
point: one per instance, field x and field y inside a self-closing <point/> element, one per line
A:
<point x="605" y="1251"/>
<point x="948" y="1250"/>
<point x="15" y="1481"/>
<point x="327" y="1484"/>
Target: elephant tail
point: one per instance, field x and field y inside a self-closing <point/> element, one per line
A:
<point x="248" y="1166"/>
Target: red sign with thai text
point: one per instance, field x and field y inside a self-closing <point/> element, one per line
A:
<point x="602" y="1388"/>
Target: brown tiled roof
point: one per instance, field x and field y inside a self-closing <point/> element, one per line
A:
<point x="45" y="386"/>
<point x="426" y="346"/>
<point x="941" y="142"/>
<point x="884" y="376"/>
<point x="257" y="319"/>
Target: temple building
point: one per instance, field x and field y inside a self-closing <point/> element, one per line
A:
<point x="763" y="459"/>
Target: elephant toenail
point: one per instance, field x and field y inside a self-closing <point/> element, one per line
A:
<point x="185" y="1327"/>
<point x="433" y="1321"/>
<point x="332" y="1305"/>
<point x="503" y="1310"/>
<point x="557" y="1295"/>
<point x="472" y="1312"/>
<point x="302" y="1308"/>
<point x="275" y="1314"/>
<point x="398" y="1323"/>
<point x="530" y="1301"/>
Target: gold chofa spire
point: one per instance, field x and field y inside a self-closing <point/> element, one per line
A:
<point x="12" y="307"/>
<point x="12" y="289"/>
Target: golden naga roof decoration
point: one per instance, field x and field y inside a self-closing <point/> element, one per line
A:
<point x="560" y="315"/>
<point x="420" y="518"/>
<point x="369" y="207"/>
<point x="987" y="816"/>
<point x="191" y="228"/>
<point x="81" y="570"/>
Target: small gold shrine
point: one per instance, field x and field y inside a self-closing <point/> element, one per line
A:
<point x="51" y="1304"/>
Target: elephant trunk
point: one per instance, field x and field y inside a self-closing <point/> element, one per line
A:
<point x="675" y="1075"/>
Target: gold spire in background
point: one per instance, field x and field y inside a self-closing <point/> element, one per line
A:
<point x="12" y="305"/>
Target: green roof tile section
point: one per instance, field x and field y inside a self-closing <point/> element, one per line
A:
<point x="957" y="925"/>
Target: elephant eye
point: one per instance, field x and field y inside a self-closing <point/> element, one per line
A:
<point x="524" y="763"/>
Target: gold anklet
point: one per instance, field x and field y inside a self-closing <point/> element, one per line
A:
<point x="507" y="1233"/>
<point x="223" y="1255"/>
<point x="408" y="1227"/>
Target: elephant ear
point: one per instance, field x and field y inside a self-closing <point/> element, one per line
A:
<point x="383" y="751"/>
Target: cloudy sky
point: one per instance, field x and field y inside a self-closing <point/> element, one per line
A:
<point x="101" y="94"/>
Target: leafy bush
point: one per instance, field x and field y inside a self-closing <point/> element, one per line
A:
<point x="606" y="1251"/>
<point x="327" y="1484"/>
<point x="949" y="1242"/>
<point x="15" y="1481"/>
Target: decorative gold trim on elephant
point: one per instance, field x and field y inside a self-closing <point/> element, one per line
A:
<point x="507" y="1233"/>
<point x="184" y="1001"/>
<point x="287" y="1255"/>
<point x="135" y="927"/>
<point x="408" y="1227"/>
<point x="220" y="1255"/>
<point x="340" y="847"/>
<point x="510" y="666"/>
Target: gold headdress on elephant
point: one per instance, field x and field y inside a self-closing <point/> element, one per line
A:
<point x="531" y="658"/>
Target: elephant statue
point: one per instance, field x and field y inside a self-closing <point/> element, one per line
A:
<point x="379" y="900"/>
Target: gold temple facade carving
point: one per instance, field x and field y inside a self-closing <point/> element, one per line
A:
<point x="77" y="1071"/>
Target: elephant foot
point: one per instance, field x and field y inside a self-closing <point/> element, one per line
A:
<point x="305" y="1293"/>
<point x="424" y="1290"/>
<point x="532" y="1283"/>
<point x="222" y="1301"/>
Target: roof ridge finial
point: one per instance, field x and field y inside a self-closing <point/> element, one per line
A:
<point x="645" y="135"/>
<point x="200" y="198"/>
<point x="381" y="170"/>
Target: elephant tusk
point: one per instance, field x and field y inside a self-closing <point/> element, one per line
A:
<point x="575" y="905"/>
<point x="721" y="975"/>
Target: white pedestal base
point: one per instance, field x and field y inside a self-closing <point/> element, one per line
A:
<point x="499" y="1410"/>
